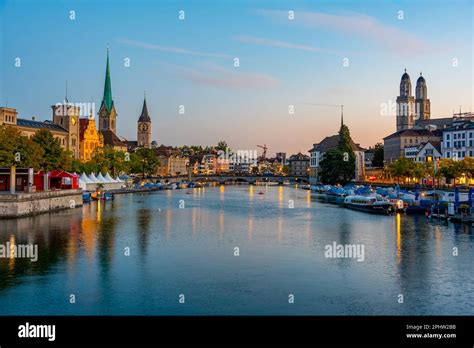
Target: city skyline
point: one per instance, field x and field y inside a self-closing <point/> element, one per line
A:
<point x="248" y="104"/>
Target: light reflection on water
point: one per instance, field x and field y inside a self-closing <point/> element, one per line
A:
<point x="191" y="251"/>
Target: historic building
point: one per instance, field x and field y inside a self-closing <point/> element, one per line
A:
<point x="298" y="165"/>
<point x="425" y="152"/>
<point x="395" y="144"/>
<point x="64" y="125"/>
<point x="108" y="115"/>
<point x="411" y="109"/>
<point x="330" y="143"/>
<point x="171" y="162"/>
<point x="67" y="115"/>
<point x="144" y="127"/>
<point x="89" y="138"/>
<point x="458" y="141"/>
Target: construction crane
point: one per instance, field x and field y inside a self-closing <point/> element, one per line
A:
<point x="265" y="148"/>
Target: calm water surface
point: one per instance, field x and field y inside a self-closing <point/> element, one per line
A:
<point x="190" y="251"/>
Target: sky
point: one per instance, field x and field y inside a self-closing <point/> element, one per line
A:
<point x="321" y="55"/>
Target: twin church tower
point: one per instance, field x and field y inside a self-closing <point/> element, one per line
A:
<point x="411" y="109"/>
<point x="108" y="117"/>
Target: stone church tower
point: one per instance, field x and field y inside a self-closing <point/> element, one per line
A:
<point x="422" y="103"/>
<point x="144" y="127"/>
<point x="405" y="104"/>
<point x="107" y="113"/>
<point x="67" y="115"/>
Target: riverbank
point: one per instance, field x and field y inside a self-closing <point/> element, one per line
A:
<point x="26" y="204"/>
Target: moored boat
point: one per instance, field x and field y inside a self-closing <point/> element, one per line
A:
<point x="371" y="204"/>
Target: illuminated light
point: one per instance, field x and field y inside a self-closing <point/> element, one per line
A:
<point x="399" y="237"/>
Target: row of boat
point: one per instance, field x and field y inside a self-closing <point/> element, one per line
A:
<point x="388" y="200"/>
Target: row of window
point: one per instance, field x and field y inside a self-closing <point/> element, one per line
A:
<point x="9" y="119"/>
<point x="459" y="136"/>
<point x="459" y="154"/>
<point x="459" y="143"/>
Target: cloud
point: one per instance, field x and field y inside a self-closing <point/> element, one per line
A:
<point x="171" y="49"/>
<point x="277" y="43"/>
<point x="356" y="24"/>
<point x="219" y="77"/>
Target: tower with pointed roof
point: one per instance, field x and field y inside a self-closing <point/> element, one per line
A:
<point x="422" y="103"/>
<point x="405" y="104"/>
<point x="107" y="112"/>
<point x="144" y="127"/>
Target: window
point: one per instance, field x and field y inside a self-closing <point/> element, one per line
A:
<point x="448" y="154"/>
<point x="470" y="135"/>
<point x="464" y="135"/>
<point x="448" y="144"/>
<point x="470" y="142"/>
<point x="454" y="136"/>
<point x="447" y="136"/>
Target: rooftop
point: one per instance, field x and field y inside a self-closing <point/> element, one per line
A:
<point x="21" y="122"/>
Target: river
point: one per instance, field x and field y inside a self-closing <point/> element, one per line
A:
<point x="234" y="250"/>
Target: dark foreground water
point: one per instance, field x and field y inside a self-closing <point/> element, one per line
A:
<point x="189" y="249"/>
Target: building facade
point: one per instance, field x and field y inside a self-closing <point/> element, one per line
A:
<point x="458" y="141"/>
<point x="425" y="152"/>
<point x="298" y="165"/>
<point x="64" y="127"/>
<point x="395" y="144"/>
<point x="330" y="143"/>
<point x="89" y="138"/>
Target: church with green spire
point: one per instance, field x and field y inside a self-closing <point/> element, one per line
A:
<point x="108" y="114"/>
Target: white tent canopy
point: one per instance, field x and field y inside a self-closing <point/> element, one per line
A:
<point x="93" y="179"/>
<point x="109" y="178"/>
<point x="84" y="178"/>
<point x="101" y="178"/>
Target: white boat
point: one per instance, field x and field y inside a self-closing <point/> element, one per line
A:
<point x="374" y="204"/>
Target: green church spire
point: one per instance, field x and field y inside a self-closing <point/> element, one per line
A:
<point x="107" y="100"/>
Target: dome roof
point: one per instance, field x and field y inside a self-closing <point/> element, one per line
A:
<point x="421" y="80"/>
<point x="405" y="76"/>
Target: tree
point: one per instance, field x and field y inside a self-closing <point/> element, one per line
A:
<point x="144" y="161"/>
<point x="338" y="164"/>
<point x="377" y="161"/>
<point x="18" y="150"/>
<point x="451" y="169"/>
<point x="53" y="153"/>
<point x="401" y="168"/>
<point x="222" y="146"/>
<point x="107" y="159"/>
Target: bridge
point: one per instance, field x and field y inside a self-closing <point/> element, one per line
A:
<point x="229" y="179"/>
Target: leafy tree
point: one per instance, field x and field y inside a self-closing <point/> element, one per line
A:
<point x="53" y="153"/>
<point x="401" y="168"/>
<point x="338" y="165"/>
<point x="18" y="150"/>
<point x="377" y="161"/>
<point x="144" y="161"/>
<point x="451" y="169"/>
<point x="107" y="159"/>
<point x="222" y="146"/>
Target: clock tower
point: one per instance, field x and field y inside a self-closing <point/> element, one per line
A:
<point x="67" y="115"/>
<point x="144" y="127"/>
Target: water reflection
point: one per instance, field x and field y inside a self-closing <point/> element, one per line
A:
<point x="83" y="250"/>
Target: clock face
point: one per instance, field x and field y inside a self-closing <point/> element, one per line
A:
<point x="73" y="120"/>
<point x="144" y="127"/>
